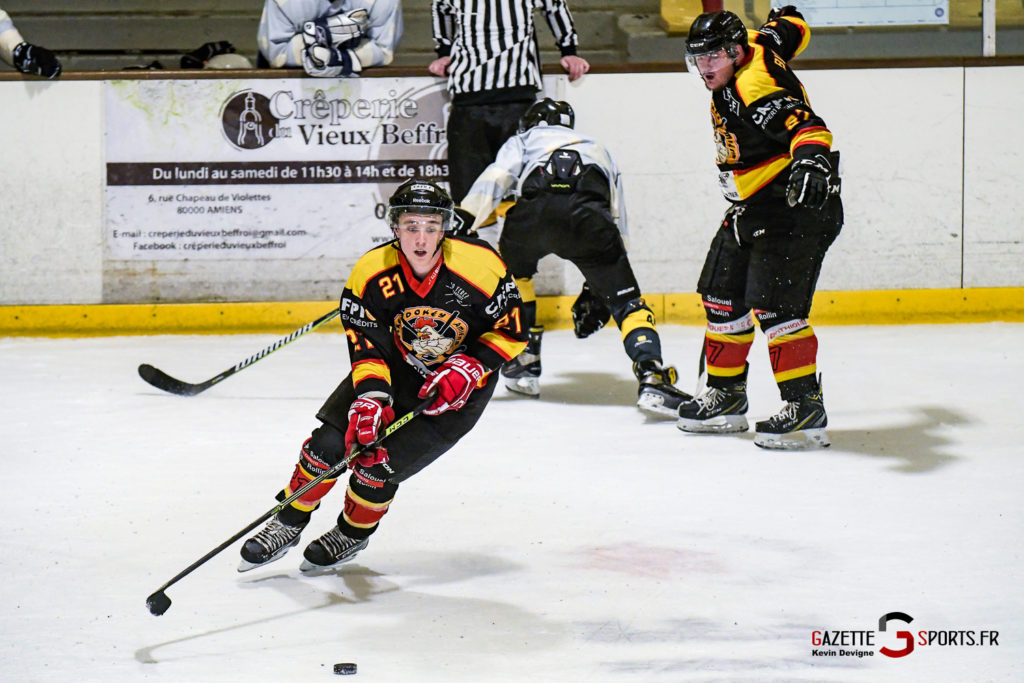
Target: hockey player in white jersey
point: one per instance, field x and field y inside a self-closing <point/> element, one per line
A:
<point x="329" y="38"/>
<point x="569" y="202"/>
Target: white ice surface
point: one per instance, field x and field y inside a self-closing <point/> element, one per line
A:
<point x="564" y="539"/>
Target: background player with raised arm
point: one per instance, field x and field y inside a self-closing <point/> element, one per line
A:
<point x="570" y="203"/>
<point x="488" y="50"/>
<point x="24" y="56"/>
<point x="329" y="38"/>
<point x="777" y="168"/>
<point x="422" y="313"/>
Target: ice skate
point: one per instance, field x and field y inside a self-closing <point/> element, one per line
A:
<point x="715" y="410"/>
<point x="330" y="550"/>
<point x="799" y="425"/>
<point x="657" y="395"/>
<point x="521" y="375"/>
<point x="271" y="543"/>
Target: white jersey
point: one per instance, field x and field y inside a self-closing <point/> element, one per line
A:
<point x="280" y="32"/>
<point x="524" y="152"/>
<point x="9" y="38"/>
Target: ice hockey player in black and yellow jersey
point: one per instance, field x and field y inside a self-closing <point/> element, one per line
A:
<point x="777" y="168"/>
<point x="424" y="312"/>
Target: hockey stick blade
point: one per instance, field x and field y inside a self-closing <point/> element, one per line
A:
<point x="161" y="380"/>
<point x="158" y="603"/>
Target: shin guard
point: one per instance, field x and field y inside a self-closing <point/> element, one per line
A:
<point x="793" y="350"/>
<point x="640" y="336"/>
<point x="361" y="515"/>
<point x="528" y="307"/>
<point x="727" y="342"/>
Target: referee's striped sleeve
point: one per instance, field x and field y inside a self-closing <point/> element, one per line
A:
<point x="442" y="24"/>
<point x="560" y="20"/>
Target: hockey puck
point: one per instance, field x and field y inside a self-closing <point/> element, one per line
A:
<point x="344" y="668"/>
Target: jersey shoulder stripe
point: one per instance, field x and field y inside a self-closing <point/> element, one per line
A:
<point x="755" y="80"/>
<point x="371" y="264"/>
<point x="476" y="263"/>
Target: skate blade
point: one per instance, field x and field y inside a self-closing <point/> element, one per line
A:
<point x="654" y="406"/>
<point x="527" y="386"/>
<point x="310" y="569"/>
<point x="245" y="565"/>
<point x="723" y="424"/>
<point x="805" y="439"/>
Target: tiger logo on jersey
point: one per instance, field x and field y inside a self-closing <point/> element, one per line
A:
<point x="430" y="334"/>
<point x="727" y="148"/>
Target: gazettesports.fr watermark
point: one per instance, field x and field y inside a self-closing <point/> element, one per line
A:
<point x="864" y="643"/>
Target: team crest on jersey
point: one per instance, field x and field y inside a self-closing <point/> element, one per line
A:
<point x="430" y="334"/>
<point x="727" y="148"/>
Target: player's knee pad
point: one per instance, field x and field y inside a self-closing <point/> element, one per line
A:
<point x="374" y="477"/>
<point x="310" y="466"/>
<point x="721" y="310"/>
<point x="327" y="444"/>
<point x="631" y="315"/>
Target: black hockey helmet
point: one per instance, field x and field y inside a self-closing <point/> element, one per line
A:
<point x="420" y="196"/>
<point x="551" y="112"/>
<point x="713" y="31"/>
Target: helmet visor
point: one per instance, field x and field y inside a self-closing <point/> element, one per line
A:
<point x="396" y="211"/>
<point x="712" y="68"/>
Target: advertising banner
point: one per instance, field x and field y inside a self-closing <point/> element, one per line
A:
<point x="874" y="12"/>
<point x="263" y="169"/>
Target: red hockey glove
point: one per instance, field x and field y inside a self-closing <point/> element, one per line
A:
<point x="366" y="417"/>
<point x="454" y="381"/>
<point x="374" y="457"/>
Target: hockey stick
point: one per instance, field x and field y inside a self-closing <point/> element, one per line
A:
<point x="158" y="602"/>
<point x="161" y="380"/>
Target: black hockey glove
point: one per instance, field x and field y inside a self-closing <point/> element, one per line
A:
<point x="32" y="59"/>
<point x="197" y="59"/>
<point x="809" y="182"/>
<point x="462" y="223"/>
<point x="786" y="11"/>
<point x="589" y="313"/>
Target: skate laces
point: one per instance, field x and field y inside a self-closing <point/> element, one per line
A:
<point x="276" y="534"/>
<point x="336" y="543"/>
<point x="788" y="412"/>
<point x="709" y="398"/>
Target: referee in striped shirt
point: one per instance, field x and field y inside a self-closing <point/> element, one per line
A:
<point x="488" y="50"/>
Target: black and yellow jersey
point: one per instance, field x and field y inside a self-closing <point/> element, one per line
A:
<point x="469" y="303"/>
<point x="762" y="118"/>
